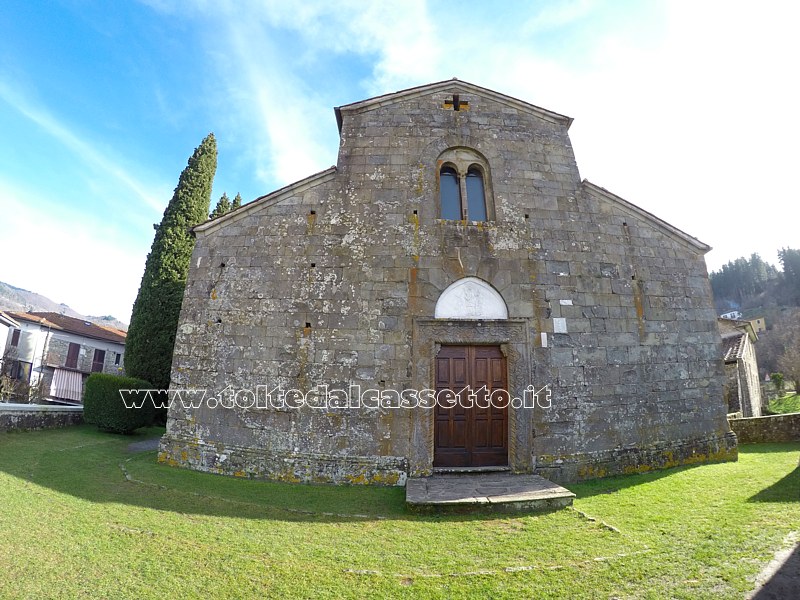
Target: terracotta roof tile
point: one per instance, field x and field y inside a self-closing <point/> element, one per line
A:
<point x="733" y="346"/>
<point x="72" y="325"/>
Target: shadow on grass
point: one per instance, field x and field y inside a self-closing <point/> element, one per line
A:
<point x="106" y="468"/>
<point x="100" y="467"/>
<point x="784" y="582"/>
<point x="95" y="466"/>
<point x="786" y="489"/>
<point x="757" y="448"/>
<point x="609" y="485"/>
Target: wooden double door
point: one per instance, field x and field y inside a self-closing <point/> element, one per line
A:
<point x="477" y="435"/>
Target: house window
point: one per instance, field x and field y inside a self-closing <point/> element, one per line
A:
<point x="117" y="359"/>
<point x="98" y="360"/>
<point x="15" y="338"/>
<point x="21" y="371"/>
<point x="463" y="186"/>
<point x="72" y="356"/>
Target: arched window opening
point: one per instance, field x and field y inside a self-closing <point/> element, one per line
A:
<point x="450" y="194"/>
<point x="465" y="188"/>
<point x="476" y="200"/>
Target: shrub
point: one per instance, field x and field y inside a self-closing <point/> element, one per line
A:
<point x="778" y="380"/>
<point x="103" y="405"/>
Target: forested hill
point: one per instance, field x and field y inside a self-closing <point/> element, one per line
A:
<point x="758" y="289"/>
<point x="752" y="284"/>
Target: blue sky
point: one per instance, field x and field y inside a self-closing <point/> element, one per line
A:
<point x="687" y="109"/>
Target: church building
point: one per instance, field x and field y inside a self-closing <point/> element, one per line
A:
<point x="451" y="295"/>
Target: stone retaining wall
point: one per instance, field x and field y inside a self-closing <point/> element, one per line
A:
<point x="24" y="417"/>
<point x="774" y="428"/>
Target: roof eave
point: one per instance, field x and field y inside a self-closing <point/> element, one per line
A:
<point x="673" y="231"/>
<point x="44" y="322"/>
<point x="9" y="321"/>
<point x="34" y="319"/>
<point x="276" y="196"/>
<point x="338" y="111"/>
<point x="93" y="337"/>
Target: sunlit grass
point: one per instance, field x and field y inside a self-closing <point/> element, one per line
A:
<point x="787" y="404"/>
<point x="80" y="516"/>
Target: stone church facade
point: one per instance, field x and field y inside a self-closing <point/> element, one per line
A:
<point x="453" y="246"/>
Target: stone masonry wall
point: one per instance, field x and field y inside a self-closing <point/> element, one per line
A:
<point x="731" y="388"/>
<point x="27" y="417"/>
<point x="58" y="348"/>
<point x="749" y="380"/>
<point x="773" y="428"/>
<point x="334" y="281"/>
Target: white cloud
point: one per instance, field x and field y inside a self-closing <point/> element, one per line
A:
<point x="690" y="130"/>
<point x="274" y="113"/>
<point x="67" y="256"/>
<point x="553" y="16"/>
<point x="404" y="40"/>
<point x="694" y="121"/>
<point x="80" y="147"/>
<point x="399" y="37"/>
<point x="686" y="109"/>
<point x="283" y="121"/>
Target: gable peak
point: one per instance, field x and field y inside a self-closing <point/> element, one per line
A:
<point x="452" y="86"/>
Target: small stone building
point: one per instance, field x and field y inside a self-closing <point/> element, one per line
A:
<point x="452" y="248"/>
<point x="742" y="383"/>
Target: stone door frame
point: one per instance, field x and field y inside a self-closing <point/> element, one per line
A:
<point x="512" y="337"/>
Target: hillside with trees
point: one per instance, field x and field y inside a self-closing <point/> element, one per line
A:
<point x="759" y="289"/>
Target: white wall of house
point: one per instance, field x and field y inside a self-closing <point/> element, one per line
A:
<point x="5" y="336"/>
<point x="6" y="329"/>
<point x="30" y="348"/>
<point x="735" y="314"/>
<point x="46" y="349"/>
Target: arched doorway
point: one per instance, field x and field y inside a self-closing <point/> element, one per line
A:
<point x="471" y="382"/>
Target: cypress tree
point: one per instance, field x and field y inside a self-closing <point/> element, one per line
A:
<point x="154" y="321"/>
<point x="223" y="206"/>
<point x="237" y="202"/>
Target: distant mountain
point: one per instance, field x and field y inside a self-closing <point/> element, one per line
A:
<point x="19" y="300"/>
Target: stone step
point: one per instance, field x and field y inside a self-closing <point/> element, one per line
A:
<point x="473" y="470"/>
<point x="485" y="492"/>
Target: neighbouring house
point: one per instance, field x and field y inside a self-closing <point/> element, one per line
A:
<point x="7" y="326"/>
<point x="743" y="385"/>
<point x="734" y="314"/>
<point x="52" y="354"/>
<point x="759" y="324"/>
<point x="453" y="253"/>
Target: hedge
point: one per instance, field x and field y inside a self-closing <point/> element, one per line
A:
<point x="103" y="405"/>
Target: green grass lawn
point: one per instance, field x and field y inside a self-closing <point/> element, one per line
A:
<point x="787" y="404"/>
<point x="80" y="516"/>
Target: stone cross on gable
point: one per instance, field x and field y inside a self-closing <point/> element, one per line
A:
<point x="456" y="103"/>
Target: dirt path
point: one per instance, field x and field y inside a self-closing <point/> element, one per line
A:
<point x="144" y="445"/>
